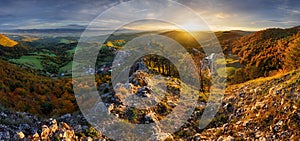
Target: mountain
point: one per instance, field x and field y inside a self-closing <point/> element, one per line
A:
<point x="6" y="42"/>
<point x="59" y="30"/>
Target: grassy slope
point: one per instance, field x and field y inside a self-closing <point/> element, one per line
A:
<point x="29" y="61"/>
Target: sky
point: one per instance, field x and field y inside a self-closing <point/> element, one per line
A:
<point x="218" y="14"/>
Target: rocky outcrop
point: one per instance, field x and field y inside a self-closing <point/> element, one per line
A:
<point x="263" y="109"/>
<point x="24" y="126"/>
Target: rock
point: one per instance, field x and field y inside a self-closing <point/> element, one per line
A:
<point x="139" y="66"/>
<point x="228" y="107"/>
<point x="89" y="139"/>
<point x="259" y="105"/>
<point x="121" y="87"/>
<point x="262" y="139"/>
<point x="5" y="135"/>
<point x="279" y="123"/>
<point x="144" y="91"/>
<point x="107" y="95"/>
<point x="110" y="108"/>
<point x="65" y="132"/>
<point x="171" y="103"/>
<point x="69" y="135"/>
<point x="150" y="117"/>
<point x="53" y="127"/>
<point x="65" y="116"/>
<point x="65" y="126"/>
<point x="84" y="127"/>
<point x="242" y="94"/>
<point x="246" y="123"/>
<point x="199" y="137"/>
<point x="78" y="128"/>
<point x="104" y="87"/>
<point x="3" y="115"/>
<point x="21" y="135"/>
<point x="45" y="132"/>
<point x="161" y="137"/>
<point x="26" y="129"/>
<point x="229" y="138"/>
<point x="128" y="86"/>
<point x="35" y="137"/>
<point x="258" y="134"/>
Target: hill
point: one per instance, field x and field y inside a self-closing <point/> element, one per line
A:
<point x="10" y="48"/>
<point x="6" y="42"/>
<point x="184" y="38"/>
<point x="260" y="109"/>
<point x="267" y="50"/>
<point x="24" y="90"/>
<point x="227" y="38"/>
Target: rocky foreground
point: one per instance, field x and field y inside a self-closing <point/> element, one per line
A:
<point x="24" y="126"/>
<point x="261" y="109"/>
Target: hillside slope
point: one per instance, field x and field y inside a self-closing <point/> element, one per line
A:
<point x="267" y="49"/>
<point x="6" y="42"/>
<point x="24" y="90"/>
<point x="264" y="109"/>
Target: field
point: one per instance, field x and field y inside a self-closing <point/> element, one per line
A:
<point x="72" y="51"/>
<point x="67" y="68"/>
<point x="29" y="61"/>
<point x="232" y="64"/>
<point x="43" y="54"/>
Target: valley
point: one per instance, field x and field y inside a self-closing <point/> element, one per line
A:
<point x="261" y="101"/>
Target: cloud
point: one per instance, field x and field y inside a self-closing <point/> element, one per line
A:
<point x="217" y="13"/>
<point x="222" y="15"/>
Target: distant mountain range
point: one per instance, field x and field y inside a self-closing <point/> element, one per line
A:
<point x="72" y="31"/>
<point x="63" y="30"/>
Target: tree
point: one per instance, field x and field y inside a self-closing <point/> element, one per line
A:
<point x="292" y="60"/>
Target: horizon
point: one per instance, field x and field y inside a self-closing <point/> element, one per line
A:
<point x="140" y="30"/>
